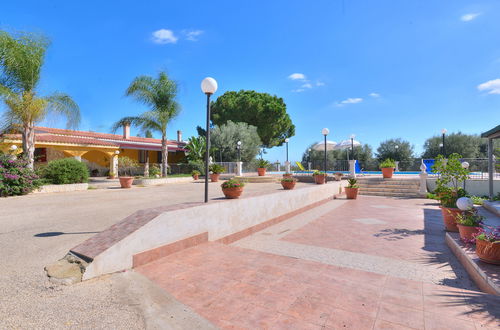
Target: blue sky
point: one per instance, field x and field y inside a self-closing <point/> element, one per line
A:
<point x="378" y="69"/>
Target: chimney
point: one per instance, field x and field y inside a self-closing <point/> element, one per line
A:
<point x="179" y="136"/>
<point x="126" y="131"/>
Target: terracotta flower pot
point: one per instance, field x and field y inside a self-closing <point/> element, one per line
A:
<point x="467" y="232"/>
<point x="450" y="218"/>
<point x="351" y="193"/>
<point x="195" y="176"/>
<point x="288" y="185"/>
<point x="232" y="193"/>
<point x="488" y="252"/>
<point x="261" y="171"/>
<point x="387" y="172"/>
<point x="320" y="179"/>
<point x="214" y="177"/>
<point x="126" y="181"/>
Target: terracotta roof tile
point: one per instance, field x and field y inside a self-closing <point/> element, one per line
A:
<point x="107" y="136"/>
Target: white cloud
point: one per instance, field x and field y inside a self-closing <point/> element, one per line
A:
<point x="320" y="83"/>
<point x="492" y="86"/>
<point x="351" y="100"/>
<point x="164" y="36"/>
<point x="306" y="85"/>
<point x="375" y="95"/>
<point x="192" y="35"/>
<point x="297" y="76"/>
<point x="469" y="17"/>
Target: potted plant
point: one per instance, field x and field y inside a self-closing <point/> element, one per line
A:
<point x="338" y="176"/>
<point x="287" y="175"/>
<point x="288" y="183"/>
<point x="232" y="188"/>
<point x="112" y="175"/>
<point x="451" y="174"/>
<point x="469" y="225"/>
<point x="319" y="177"/>
<point x="215" y="171"/>
<point x="195" y="174"/>
<point x="262" y="166"/>
<point x="488" y="246"/>
<point x="351" y="191"/>
<point x="125" y="167"/>
<point x="387" y="167"/>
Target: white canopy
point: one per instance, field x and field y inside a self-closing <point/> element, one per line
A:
<point x="320" y="146"/>
<point x="347" y="144"/>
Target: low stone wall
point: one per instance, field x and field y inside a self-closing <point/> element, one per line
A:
<point x="158" y="181"/>
<point x="473" y="187"/>
<point x="151" y="230"/>
<point x="55" y="188"/>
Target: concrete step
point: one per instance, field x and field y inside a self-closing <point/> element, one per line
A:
<point x="382" y="190"/>
<point x="389" y="194"/>
<point x="389" y="185"/>
<point x="390" y="181"/>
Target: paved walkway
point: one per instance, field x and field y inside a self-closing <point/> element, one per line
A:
<point x="36" y="230"/>
<point x="373" y="263"/>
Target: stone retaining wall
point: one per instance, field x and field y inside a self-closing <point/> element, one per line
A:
<point x="114" y="249"/>
<point x="158" y="181"/>
<point x="54" y="188"/>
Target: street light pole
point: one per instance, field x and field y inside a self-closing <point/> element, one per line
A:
<point x="352" y="145"/>
<point x="286" y="141"/>
<point x="325" y="132"/>
<point x="238" y="146"/>
<point x="443" y="131"/>
<point x="208" y="86"/>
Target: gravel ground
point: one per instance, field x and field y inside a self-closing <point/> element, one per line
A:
<point x="36" y="230"/>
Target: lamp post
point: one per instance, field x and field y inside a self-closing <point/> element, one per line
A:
<point x="443" y="131"/>
<point x="325" y="131"/>
<point x="441" y="148"/>
<point x="352" y="145"/>
<point x="397" y="149"/>
<point x="286" y="141"/>
<point x="238" y="147"/>
<point x="208" y="87"/>
<point x="465" y="165"/>
<point x="309" y="159"/>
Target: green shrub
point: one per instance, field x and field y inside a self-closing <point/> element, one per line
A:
<point x="388" y="163"/>
<point x="352" y="183"/>
<point x="154" y="171"/>
<point x="65" y="171"/>
<point x="126" y="166"/>
<point x="262" y="163"/>
<point x="216" y="168"/>
<point x="15" y="177"/>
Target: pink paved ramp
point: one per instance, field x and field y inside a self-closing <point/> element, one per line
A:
<point x="243" y="288"/>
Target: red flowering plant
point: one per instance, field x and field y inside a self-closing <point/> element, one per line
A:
<point x="16" y="178"/>
<point x="489" y="234"/>
<point x="232" y="183"/>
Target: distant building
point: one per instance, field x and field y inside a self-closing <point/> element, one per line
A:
<point x="98" y="150"/>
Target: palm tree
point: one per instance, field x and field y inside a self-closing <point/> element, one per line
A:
<point x="159" y="95"/>
<point x="21" y="59"/>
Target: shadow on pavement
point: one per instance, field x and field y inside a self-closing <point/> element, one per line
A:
<point x="59" y="233"/>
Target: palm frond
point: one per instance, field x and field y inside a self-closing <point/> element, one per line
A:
<point x="142" y="89"/>
<point x="63" y="104"/>
<point x="21" y="60"/>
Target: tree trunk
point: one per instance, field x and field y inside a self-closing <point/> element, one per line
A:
<point x="29" y="144"/>
<point x="164" y="155"/>
<point x="146" y="165"/>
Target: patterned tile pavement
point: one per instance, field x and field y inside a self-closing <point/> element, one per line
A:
<point x="243" y="288"/>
